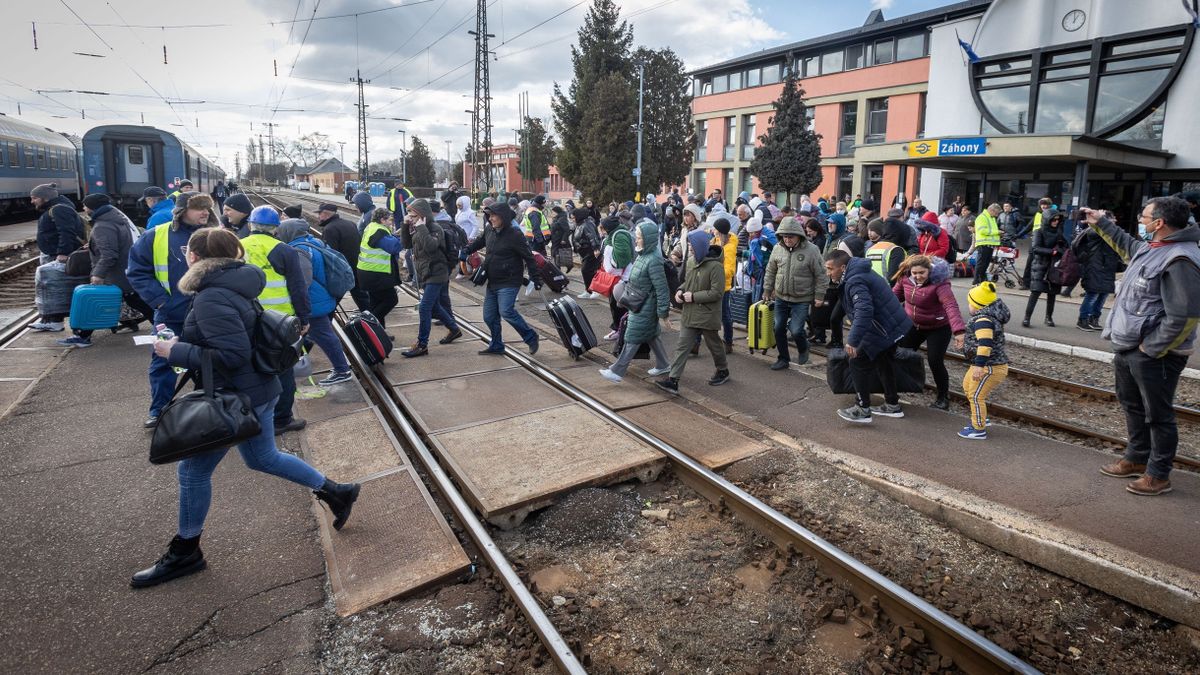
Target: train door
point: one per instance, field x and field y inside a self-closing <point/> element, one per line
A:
<point x="134" y="168"/>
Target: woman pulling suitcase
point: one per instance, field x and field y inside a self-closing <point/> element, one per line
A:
<point x="649" y="303"/>
<point x="219" y="326"/>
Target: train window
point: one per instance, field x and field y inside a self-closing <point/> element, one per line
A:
<point x="14" y="158"/>
<point x="53" y="159"/>
<point x="135" y="153"/>
<point x="30" y="156"/>
<point x="41" y="156"/>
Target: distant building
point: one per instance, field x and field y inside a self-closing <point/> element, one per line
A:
<point x="504" y="165"/>
<point x="331" y="175"/>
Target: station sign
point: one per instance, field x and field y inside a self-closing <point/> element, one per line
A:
<point x="948" y="147"/>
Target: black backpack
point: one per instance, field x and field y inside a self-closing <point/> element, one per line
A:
<point x="276" y="341"/>
<point x="453" y="241"/>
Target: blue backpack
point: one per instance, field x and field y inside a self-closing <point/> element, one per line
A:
<point x="339" y="276"/>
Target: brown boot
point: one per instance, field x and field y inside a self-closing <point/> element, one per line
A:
<point x="1123" y="469"/>
<point x="1149" y="486"/>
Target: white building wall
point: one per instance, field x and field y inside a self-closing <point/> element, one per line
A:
<point x="949" y="109"/>
<point x="1181" y="126"/>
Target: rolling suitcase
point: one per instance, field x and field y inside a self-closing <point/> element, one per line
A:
<point x="909" y="366"/>
<point x="740" y="300"/>
<point x="553" y="277"/>
<point x="572" y="326"/>
<point x="643" y="351"/>
<point x="368" y="338"/>
<point x="760" y="331"/>
<point x="95" y="306"/>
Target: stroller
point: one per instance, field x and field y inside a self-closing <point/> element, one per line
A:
<point x="1004" y="264"/>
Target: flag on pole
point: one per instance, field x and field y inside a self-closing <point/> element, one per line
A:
<point x="971" y="55"/>
<point x="1192" y="7"/>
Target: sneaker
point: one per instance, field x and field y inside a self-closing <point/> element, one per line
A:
<point x="942" y="403"/>
<point x="1123" y="468"/>
<point x="668" y="384"/>
<point x="610" y="375"/>
<point x="451" y="336"/>
<point x="655" y="372"/>
<point x="336" y="378"/>
<point x="1149" y="486"/>
<point x="719" y="378"/>
<point x="855" y="413"/>
<point x="296" y="424"/>
<point x="973" y="434"/>
<point x="1083" y="325"/>
<point x="417" y="349"/>
<point x="1050" y="320"/>
<point x="1094" y="322"/>
<point x="596" y="296"/>
<point x="1024" y="323"/>
<point x="458" y="277"/>
<point x="47" y="326"/>
<point x="612" y="335"/>
<point x="817" y="340"/>
<point x="802" y="358"/>
<point x="586" y="295"/>
<point x="779" y="364"/>
<point x="151" y="422"/>
<point x="77" y="341"/>
<point x="888" y="410"/>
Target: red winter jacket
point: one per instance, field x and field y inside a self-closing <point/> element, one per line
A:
<point x="934" y="245"/>
<point x="931" y="305"/>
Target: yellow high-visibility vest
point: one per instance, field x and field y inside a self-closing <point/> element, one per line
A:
<point x="275" y="294"/>
<point x="373" y="259"/>
<point x="162" y="256"/>
<point x="392" y="201"/>
<point x="1037" y="220"/>
<point x="987" y="230"/>
<point x="527" y="224"/>
<point x="878" y="256"/>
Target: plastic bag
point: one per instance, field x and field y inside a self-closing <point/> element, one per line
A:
<point x="53" y="288"/>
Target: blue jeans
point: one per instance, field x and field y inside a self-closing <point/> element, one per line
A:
<point x="287" y="397"/>
<point x="259" y="453"/>
<point x="162" y="379"/>
<point x="435" y="300"/>
<point x="790" y="316"/>
<point x="501" y="303"/>
<point x="320" y="329"/>
<point x="1092" y="305"/>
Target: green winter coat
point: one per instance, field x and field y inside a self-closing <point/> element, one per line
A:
<point x="648" y="275"/>
<point x="706" y="281"/>
<point x="796" y="275"/>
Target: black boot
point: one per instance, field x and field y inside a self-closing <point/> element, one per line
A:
<point x="340" y="497"/>
<point x="183" y="557"/>
<point x="1094" y="322"/>
<point x="1050" y="321"/>
<point x="942" y="402"/>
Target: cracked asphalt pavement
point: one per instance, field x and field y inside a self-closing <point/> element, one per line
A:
<point x="84" y="509"/>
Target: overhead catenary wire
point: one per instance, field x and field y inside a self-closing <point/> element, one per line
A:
<point x="233" y="25"/>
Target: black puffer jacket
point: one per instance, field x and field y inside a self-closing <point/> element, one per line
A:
<point x="59" y="230"/>
<point x="1048" y="246"/>
<point x="508" y="255"/>
<point x="221" y="321"/>
<point x="1098" y="263"/>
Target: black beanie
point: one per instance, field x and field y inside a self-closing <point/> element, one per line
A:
<point x="96" y="200"/>
<point x="240" y="203"/>
<point x="293" y="211"/>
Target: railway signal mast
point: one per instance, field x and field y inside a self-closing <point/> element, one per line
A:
<point x="362" y="125"/>
<point x="481" y="117"/>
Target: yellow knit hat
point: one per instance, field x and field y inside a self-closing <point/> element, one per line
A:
<point x="982" y="295"/>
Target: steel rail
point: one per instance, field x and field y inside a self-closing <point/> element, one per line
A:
<point x="969" y="650"/>
<point x="551" y="639"/>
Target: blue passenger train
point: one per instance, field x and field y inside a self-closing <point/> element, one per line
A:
<point x="31" y="155"/>
<point x="123" y="160"/>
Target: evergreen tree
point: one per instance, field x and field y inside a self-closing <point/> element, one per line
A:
<point x="602" y="50"/>
<point x="608" y="143"/>
<point x="668" y="135"/>
<point x="537" y="152"/>
<point x="420" y="164"/>
<point x="789" y="159"/>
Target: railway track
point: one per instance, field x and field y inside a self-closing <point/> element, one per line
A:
<point x="969" y="650"/>
<point x="17" y="293"/>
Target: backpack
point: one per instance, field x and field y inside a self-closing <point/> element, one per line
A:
<point x="1064" y="272"/>
<point x="277" y="343"/>
<point x="339" y="276"/>
<point x="454" y="238"/>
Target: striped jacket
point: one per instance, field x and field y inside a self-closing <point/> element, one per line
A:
<point x="985" y="335"/>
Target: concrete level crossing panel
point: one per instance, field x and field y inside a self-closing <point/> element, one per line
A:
<point x="511" y="466"/>
<point x="453" y="360"/>
<point x="451" y="403"/>
<point x="704" y="440"/>
<point x="616" y="395"/>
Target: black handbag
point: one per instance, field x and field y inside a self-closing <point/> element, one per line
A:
<point x="203" y="420"/>
<point x="629" y="296"/>
<point x="79" y="263"/>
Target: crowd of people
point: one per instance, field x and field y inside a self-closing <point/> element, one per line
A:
<point x="842" y="274"/>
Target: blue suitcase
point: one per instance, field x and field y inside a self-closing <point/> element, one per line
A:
<point x="94" y="307"/>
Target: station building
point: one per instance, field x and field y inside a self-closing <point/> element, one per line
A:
<point x="1083" y="101"/>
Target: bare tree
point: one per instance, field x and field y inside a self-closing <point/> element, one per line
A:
<point x="306" y="151"/>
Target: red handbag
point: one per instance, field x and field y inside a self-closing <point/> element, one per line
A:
<point x="604" y="282"/>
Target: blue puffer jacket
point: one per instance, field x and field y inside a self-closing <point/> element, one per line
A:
<point x="221" y="321"/>
<point x="320" y="299"/>
<point x="878" y="320"/>
<point x="160" y="213"/>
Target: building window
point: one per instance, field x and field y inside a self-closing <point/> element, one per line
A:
<point x="730" y="137"/>
<point x="720" y="84"/>
<point x="753" y="77"/>
<point x="701" y="139"/>
<point x="921" y="102"/>
<point x="810" y="114"/>
<point x="849" y="128"/>
<point x="855" y="57"/>
<point x="735" y="80"/>
<point x="831" y="62"/>
<point x="748" y="132"/>
<point x="698" y="87"/>
<point x="845" y="181"/>
<point x="1061" y="83"/>
<point x="702" y="183"/>
<point x="770" y="74"/>
<point x="910" y="47"/>
<point x="874" y="183"/>
<point x="747" y="181"/>
<point x="877" y="110"/>
<point x="728" y="185"/>
<point x="812" y="66"/>
<point x="884" y="52"/>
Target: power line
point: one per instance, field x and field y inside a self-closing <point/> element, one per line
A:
<point x="299" y="50"/>
<point x="455" y="27"/>
<point x="404" y="42"/>
<point x="232" y="25"/>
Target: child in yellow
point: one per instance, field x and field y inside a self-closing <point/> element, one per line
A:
<point x="984" y="348"/>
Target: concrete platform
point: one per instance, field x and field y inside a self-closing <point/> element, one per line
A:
<point x="26" y="363"/>
<point x="527" y="461"/>
<point x="439" y="405"/>
<point x="18" y="234"/>
<point x="703" y="439"/>
<point x="616" y="395"/>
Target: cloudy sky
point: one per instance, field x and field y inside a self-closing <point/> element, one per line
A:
<point x="219" y="84"/>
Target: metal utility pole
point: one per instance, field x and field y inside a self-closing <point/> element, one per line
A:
<point x="271" y="139"/>
<point x="523" y="147"/>
<point x="481" y="118"/>
<point x="362" y="125"/>
<point x="262" y="162"/>
<point x="637" y="173"/>
<point x="403" y="157"/>
<point x="448" y="166"/>
<point x="343" y="152"/>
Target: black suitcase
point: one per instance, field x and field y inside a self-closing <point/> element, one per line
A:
<point x="572" y="326"/>
<point x="368" y="338"/>
<point x="553" y="277"/>
<point x="740" y="300"/>
<point x="909" y="365"/>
